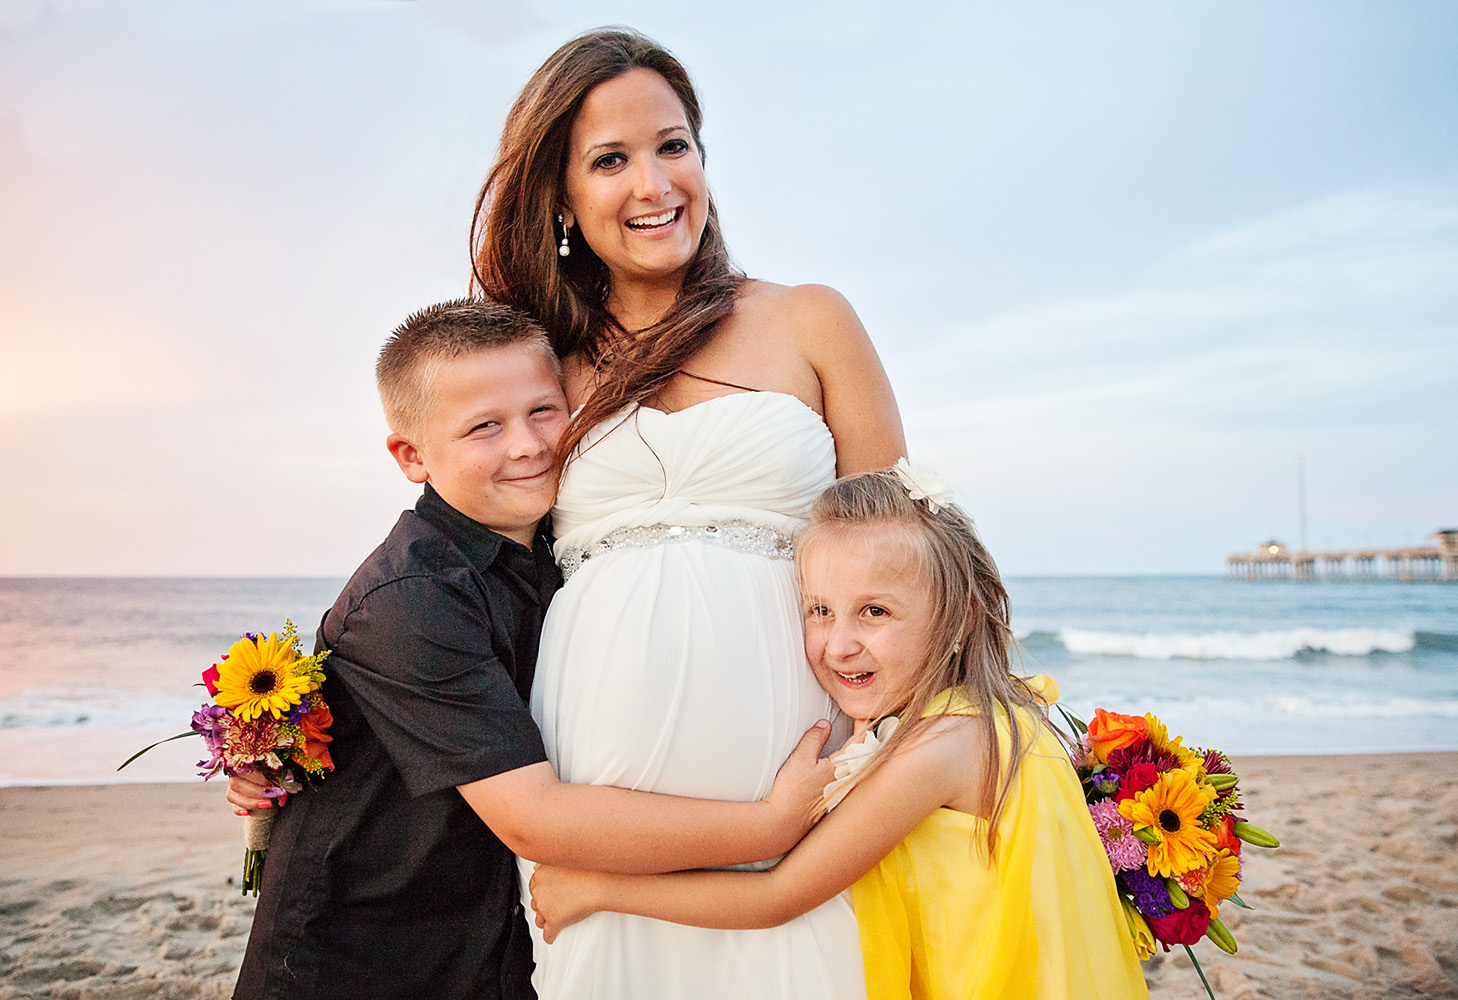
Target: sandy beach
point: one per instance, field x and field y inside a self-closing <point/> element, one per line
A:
<point x="119" y="892"/>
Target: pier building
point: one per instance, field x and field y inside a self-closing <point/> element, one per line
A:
<point x="1275" y="561"/>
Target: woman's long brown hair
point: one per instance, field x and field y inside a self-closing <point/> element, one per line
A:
<point x="514" y="240"/>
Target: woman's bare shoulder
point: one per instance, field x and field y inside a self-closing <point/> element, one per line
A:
<point x="817" y="327"/>
<point x="798" y="303"/>
<point x="815" y="318"/>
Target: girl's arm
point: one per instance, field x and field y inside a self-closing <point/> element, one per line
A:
<point x="859" y="407"/>
<point x="873" y="819"/>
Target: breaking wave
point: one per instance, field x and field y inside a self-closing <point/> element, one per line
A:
<point x="1281" y="644"/>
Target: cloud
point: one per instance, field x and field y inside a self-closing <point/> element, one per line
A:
<point x="1155" y="427"/>
<point x="1282" y="319"/>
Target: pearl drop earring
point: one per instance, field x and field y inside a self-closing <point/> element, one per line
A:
<point x="564" y="250"/>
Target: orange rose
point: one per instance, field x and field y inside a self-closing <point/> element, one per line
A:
<point x="1224" y="837"/>
<point x="1110" y="731"/>
<point x="311" y="727"/>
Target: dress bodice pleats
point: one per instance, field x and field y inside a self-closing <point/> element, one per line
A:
<point x="756" y="456"/>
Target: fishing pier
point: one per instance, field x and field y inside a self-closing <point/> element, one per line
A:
<point x="1274" y="561"/>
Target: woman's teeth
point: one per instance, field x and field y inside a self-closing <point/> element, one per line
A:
<point x="653" y="221"/>
<point x="855" y="678"/>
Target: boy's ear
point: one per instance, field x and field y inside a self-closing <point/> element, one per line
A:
<point x="409" y="458"/>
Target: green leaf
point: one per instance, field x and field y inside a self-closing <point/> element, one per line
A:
<point x="157" y="744"/>
<point x="1208" y="992"/>
<point x="1234" y="897"/>
<point x="1073" y="721"/>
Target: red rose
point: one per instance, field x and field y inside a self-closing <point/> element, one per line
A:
<point x="1181" y="926"/>
<point x="1137" y="779"/>
<point x="210" y="678"/>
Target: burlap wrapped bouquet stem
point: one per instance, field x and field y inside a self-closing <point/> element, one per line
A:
<point x="257" y="828"/>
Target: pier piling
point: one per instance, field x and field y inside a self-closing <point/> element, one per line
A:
<point x="1436" y="563"/>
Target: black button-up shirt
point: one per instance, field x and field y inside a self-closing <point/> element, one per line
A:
<point x="380" y="880"/>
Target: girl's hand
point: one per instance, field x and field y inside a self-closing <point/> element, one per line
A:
<point x="247" y="792"/>
<point x="561" y="897"/>
<point x="799" y="788"/>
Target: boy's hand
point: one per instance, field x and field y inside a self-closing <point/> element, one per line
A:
<point x="561" y="897"/>
<point x="800" y="786"/>
<point x="249" y="791"/>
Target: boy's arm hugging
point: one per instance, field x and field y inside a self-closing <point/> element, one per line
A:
<point x="609" y="829"/>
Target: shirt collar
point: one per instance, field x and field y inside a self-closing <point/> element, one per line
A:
<point x="477" y="542"/>
<point x="535" y="569"/>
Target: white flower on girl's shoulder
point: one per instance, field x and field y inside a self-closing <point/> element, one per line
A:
<point x="923" y="484"/>
<point x="851" y="759"/>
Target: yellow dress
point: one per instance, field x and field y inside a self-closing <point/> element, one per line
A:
<point x="1041" y="922"/>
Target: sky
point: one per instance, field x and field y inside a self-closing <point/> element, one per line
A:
<point x="1126" y="263"/>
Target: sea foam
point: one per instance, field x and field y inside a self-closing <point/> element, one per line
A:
<point x="1282" y="644"/>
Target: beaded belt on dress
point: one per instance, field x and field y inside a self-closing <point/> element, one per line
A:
<point x="741" y="536"/>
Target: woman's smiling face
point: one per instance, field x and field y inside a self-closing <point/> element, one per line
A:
<point x="635" y="180"/>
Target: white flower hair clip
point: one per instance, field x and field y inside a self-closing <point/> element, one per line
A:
<point x="923" y="484"/>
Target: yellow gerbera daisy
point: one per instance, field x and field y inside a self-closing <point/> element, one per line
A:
<point x="1215" y="882"/>
<point x="258" y="677"/>
<point x="1171" y="808"/>
<point x="1159" y="740"/>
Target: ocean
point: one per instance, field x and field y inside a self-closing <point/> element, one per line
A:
<point x="94" y="669"/>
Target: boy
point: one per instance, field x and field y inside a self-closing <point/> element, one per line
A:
<point x="383" y="880"/>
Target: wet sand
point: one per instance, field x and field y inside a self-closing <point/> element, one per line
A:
<point x="123" y="892"/>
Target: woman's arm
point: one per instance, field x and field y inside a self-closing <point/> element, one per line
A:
<point x="872" y="820"/>
<point x="860" y="409"/>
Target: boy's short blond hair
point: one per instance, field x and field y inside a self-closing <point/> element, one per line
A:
<point x="409" y="363"/>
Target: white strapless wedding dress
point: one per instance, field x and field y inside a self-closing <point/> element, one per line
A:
<point x="673" y="661"/>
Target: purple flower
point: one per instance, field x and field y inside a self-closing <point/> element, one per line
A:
<point x="1106" y="782"/>
<point x="1216" y="763"/>
<point x="211" y="723"/>
<point x="1124" y="849"/>
<point x="205" y="719"/>
<point x="298" y="711"/>
<point x="1151" y="898"/>
<point x="284" y="784"/>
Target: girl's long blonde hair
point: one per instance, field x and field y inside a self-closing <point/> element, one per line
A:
<point x="969" y="640"/>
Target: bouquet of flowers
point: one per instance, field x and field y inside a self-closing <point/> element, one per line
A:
<point x="1170" y="819"/>
<point x="267" y="716"/>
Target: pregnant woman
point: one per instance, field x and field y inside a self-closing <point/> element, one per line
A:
<point x="711" y="410"/>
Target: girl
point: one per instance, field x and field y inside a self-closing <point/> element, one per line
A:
<point x="975" y="869"/>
